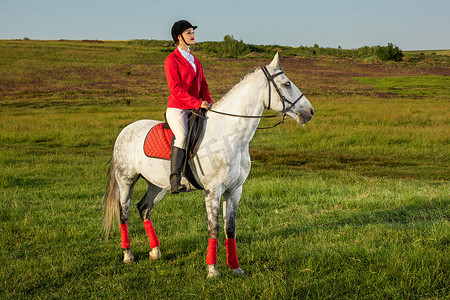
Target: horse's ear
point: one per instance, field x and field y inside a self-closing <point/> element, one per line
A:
<point x="275" y="62"/>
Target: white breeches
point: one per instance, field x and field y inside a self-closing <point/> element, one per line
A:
<point x="178" y="122"/>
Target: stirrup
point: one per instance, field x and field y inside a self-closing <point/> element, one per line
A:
<point x="181" y="188"/>
<point x="176" y="186"/>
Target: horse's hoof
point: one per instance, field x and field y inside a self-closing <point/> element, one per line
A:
<point x="238" y="272"/>
<point x="213" y="272"/>
<point x="127" y="257"/>
<point x="154" y="254"/>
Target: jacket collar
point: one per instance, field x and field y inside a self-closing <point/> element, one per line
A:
<point x="184" y="61"/>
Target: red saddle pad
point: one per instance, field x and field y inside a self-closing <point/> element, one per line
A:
<point x="157" y="143"/>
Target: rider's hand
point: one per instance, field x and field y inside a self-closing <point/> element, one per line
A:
<point x="205" y="105"/>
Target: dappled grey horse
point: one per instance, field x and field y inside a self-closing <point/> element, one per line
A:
<point x="221" y="161"/>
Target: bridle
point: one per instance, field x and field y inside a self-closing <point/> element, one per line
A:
<point x="287" y="104"/>
<point x="284" y="100"/>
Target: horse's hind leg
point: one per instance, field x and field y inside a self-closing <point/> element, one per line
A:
<point x="212" y="202"/>
<point x="145" y="206"/>
<point x="125" y="189"/>
<point x="230" y="205"/>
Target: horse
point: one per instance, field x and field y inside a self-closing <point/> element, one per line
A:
<point x="220" y="162"/>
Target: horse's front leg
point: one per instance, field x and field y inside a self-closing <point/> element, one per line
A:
<point x="230" y="206"/>
<point x="145" y="206"/>
<point x="212" y="202"/>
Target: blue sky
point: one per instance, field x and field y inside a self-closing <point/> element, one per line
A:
<point x="409" y="24"/>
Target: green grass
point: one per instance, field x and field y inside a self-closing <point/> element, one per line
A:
<point x="353" y="205"/>
<point x="411" y="86"/>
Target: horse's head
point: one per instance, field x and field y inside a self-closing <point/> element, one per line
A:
<point x="284" y="96"/>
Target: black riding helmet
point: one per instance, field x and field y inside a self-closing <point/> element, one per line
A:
<point x="179" y="27"/>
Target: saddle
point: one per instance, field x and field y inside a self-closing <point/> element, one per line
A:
<point x="159" y="141"/>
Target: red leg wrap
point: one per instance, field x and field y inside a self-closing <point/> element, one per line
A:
<point x="232" y="259"/>
<point x="211" y="256"/>
<point x="125" y="240"/>
<point x="152" y="237"/>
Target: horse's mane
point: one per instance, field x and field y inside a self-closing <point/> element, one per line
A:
<point x="236" y="86"/>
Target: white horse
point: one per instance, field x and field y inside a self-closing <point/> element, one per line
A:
<point x="221" y="162"/>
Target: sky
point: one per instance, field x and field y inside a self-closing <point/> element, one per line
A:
<point x="408" y="24"/>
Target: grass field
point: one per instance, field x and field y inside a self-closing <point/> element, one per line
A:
<point x="428" y="52"/>
<point x="353" y="205"/>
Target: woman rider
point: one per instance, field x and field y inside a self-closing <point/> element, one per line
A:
<point x="188" y="90"/>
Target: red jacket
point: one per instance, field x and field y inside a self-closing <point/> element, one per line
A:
<point x="187" y="87"/>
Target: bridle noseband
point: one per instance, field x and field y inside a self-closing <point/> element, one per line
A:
<point x="284" y="101"/>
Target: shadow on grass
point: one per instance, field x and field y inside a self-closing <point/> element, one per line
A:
<point x="14" y="181"/>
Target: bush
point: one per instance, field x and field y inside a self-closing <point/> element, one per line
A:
<point x="230" y="47"/>
<point x="390" y="52"/>
<point x="233" y="47"/>
<point x="151" y="43"/>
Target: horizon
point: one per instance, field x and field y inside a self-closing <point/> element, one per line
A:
<point x="412" y="25"/>
<point x="308" y="46"/>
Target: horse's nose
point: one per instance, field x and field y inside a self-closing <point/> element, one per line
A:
<point x="312" y="111"/>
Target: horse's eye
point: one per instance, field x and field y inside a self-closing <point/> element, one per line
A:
<point x="288" y="84"/>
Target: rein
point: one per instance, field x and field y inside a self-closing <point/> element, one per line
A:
<point x="270" y="79"/>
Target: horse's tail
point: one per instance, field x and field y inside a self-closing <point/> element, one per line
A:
<point x="111" y="200"/>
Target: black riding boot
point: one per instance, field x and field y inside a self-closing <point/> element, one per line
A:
<point x="176" y="165"/>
